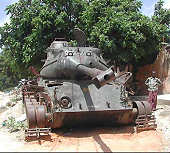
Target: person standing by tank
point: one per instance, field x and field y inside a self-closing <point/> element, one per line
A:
<point x="153" y="82"/>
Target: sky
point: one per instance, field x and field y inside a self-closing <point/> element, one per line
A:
<point x="147" y="8"/>
<point x="3" y="4"/>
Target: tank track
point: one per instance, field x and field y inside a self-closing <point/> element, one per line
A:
<point x="36" y="111"/>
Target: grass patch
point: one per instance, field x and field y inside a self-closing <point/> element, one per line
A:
<point x="13" y="125"/>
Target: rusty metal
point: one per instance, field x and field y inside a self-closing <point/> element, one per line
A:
<point x="148" y="108"/>
<point x="100" y="118"/>
<point x="145" y="119"/>
<point x="31" y="116"/>
<point x="140" y="107"/>
<point x="40" y="116"/>
<point x="35" y="112"/>
<point x="36" y="132"/>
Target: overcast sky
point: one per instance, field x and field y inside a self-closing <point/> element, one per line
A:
<point x="147" y="8"/>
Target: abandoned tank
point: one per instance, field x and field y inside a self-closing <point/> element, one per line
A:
<point x="76" y="87"/>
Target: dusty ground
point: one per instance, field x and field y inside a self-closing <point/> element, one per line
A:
<point x="163" y="121"/>
<point x="96" y="139"/>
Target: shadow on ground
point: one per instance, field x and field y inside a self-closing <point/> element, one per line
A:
<point x="95" y="133"/>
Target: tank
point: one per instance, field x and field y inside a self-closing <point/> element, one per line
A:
<point x="76" y="87"/>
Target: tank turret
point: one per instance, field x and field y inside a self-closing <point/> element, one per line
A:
<point x="77" y="63"/>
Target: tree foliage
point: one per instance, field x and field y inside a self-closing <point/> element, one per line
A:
<point x="117" y="27"/>
<point x="7" y="77"/>
<point x="161" y="15"/>
<point x="33" y="26"/>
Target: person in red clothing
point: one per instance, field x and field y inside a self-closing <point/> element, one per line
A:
<point x="153" y="83"/>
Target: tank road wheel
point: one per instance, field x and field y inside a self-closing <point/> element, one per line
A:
<point x="40" y="116"/>
<point x="31" y="116"/>
<point x="147" y="106"/>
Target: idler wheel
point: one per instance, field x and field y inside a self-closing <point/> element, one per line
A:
<point x="143" y="107"/>
<point x="40" y="116"/>
<point x="31" y="116"/>
<point x="140" y="107"/>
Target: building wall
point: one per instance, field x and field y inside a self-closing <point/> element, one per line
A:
<point x="161" y="66"/>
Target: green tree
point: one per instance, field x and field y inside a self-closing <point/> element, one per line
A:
<point x="115" y="26"/>
<point x="34" y="24"/>
<point x="162" y="16"/>
<point x="121" y="31"/>
<point x="7" y="77"/>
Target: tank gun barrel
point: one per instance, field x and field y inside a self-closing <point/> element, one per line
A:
<point x="104" y="77"/>
<point x="88" y="71"/>
<point x="108" y="76"/>
<point x="99" y="77"/>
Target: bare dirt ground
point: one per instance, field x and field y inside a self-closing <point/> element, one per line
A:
<point x="163" y="122"/>
<point x="90" y="139"/>
<point x="97" y="139"/>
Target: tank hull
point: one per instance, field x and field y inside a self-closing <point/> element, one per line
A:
<point x="89" y="105"/>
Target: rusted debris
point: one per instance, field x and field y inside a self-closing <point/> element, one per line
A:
<point x="145" y="119"/>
